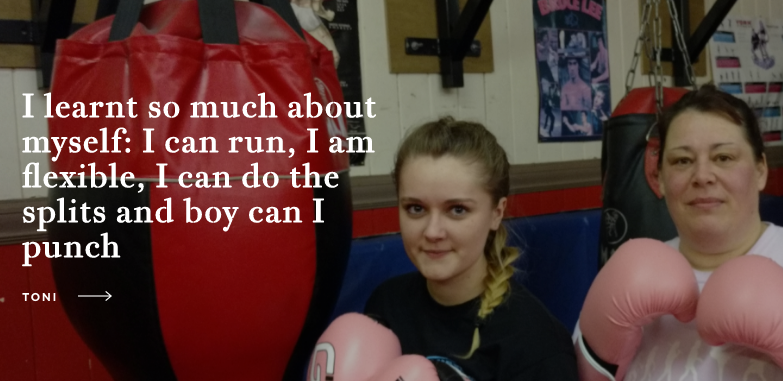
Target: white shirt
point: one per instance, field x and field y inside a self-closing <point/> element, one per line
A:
<point x="673" y="351"/>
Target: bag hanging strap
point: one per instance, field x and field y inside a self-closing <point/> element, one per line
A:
<point x="217" y="17"/>
<point x="284" y="10"/>
<point x="218" y="22"/>
<point x="126" y="17"/>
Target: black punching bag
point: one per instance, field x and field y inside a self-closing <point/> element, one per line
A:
<point x="632" y="204"/>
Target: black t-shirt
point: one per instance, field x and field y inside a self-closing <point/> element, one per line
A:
<point x="520" y="340"/>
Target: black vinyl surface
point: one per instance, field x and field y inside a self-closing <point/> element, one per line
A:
<point x="124" y="331"/>
<point x="333" y="245"/>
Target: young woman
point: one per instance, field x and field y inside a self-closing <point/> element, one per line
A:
<point x="463" y="306"/>
<point x="712" y="168"/>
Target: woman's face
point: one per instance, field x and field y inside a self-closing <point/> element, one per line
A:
<point x="445" y="217"/>
<point x="710" y="177"/>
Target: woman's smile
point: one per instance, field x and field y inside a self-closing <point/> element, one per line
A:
<point x="706" y="203"/>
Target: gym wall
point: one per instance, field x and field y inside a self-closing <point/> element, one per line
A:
<point x="505" y="100"/>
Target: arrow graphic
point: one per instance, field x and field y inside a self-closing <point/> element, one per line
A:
<point x="107" y="296"/>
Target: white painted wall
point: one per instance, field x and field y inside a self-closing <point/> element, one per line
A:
<point x="506" y="100"/>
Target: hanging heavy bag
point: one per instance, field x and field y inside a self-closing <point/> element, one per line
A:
<point x="632" y="204"/>
<point x="200" y="301"/>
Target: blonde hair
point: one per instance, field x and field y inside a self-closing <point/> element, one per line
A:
<point x="474" y="143"/>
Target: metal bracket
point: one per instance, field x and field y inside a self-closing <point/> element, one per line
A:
<point x="698" y="40"/>
<point x="456" y="32"/>
<point x="23" y="32"/>
<point x="17" y="32"/>
<point x="432" y="47"/>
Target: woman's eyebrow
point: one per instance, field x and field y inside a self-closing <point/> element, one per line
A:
<point x="681" y="148"/>
<point x="689" y="149"/>
<point x="717" y="145"/>
<point x="460" y="201"/>
<point x="449" y="201"/>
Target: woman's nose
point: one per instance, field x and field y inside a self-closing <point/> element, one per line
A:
<point x="434" y="229"/>
<point x="704" y="172"/>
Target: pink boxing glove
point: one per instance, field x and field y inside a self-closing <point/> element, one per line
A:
<point x="408" y="368"/>
<point x="643" y="280"/>
<point x="741" y="303"/>
<point x="354" y="348"/>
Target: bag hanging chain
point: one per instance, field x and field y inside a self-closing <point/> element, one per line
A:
<point x="630" y="76"/>
<point x="655" y="50"/>
<point x="650" y="55"/>
<point x="680" y="37"/>
<point x="657" y="72"/>
<point x="657" y="46"/>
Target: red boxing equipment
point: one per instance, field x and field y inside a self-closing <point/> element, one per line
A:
<point x="741" y="304"/>
<point x="202" y="301"/>
<point x="643" y="280"/>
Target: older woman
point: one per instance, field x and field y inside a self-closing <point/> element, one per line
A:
<point x="712" y="168"/>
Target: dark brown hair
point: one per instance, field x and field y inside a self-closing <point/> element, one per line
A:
<point x="710" y="99"/>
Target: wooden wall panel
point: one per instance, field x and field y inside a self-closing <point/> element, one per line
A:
<point x="497" y="85"/>
<point x="416" y="18"/>
<point x="10" y="178"/>
<point x="25" y="82"/>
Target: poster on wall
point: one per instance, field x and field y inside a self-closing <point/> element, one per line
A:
<point x="745" y="62"/>
<point x="335" y="23"/>
<point x="573" y="69"/>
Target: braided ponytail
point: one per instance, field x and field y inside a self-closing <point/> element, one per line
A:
<point x="500" y="269"/>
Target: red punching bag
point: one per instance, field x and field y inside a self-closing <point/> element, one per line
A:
<point x="204" y="300"/>
<point x="632" y="204"/>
